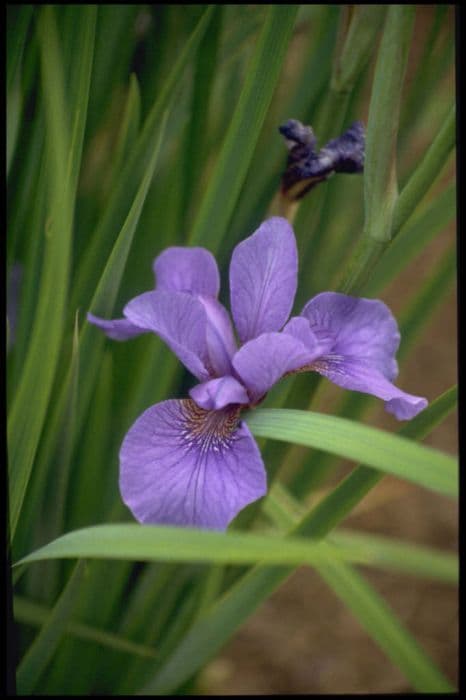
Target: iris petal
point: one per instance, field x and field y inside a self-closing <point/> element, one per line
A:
<point x="180" y="320"/>
<point x="263" y="278"/>
<point x="192" y="270"/>
<point x="261" y="362"/>
<point x="300" y="328"/>
<point x="220" y="339"/>
<point x="117" y="329"/>
<point x="218" y="393"/>
<point x="361" y="328"/>
<point x="359" y="375"/>
<point x="182" y="465"/>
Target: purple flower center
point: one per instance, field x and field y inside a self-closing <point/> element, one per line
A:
<point x="209" y="430"/>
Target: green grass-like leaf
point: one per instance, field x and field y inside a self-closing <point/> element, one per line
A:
<point x="384" y="627"/>
<point x="123" y="191"/>
<point x="387" y="552"/>
<point x="227" y="179"/>
<point x="37" y="615"/>
<point x="426" y="172"/>
<point x="103" y="300"/>
<point x="45" y="644"/>
<point x="389" y="453"/>
<point x="157" y="543"/>
<point x="393" y="554"/>
<point x="27" y="417"/>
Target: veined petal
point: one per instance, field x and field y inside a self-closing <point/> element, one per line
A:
<point x="261" y="362"/>
<point x="117" y="329"/>
<point x="263" y="278"/>
<point x="360" y="328"/>
<point x="192" y="270"/>
<point x="359" y="375"/>
<point x="219" y="335"/>
<point x="180" y="320"/>
<point x="218" y="393"/>
<point x="182" y="465"/>
<point x="300" y="328"/>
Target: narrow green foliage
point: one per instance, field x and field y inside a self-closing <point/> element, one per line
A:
<point x="338" y="504"/>
<point x="426" y="172"/>
<point x="433" y="64"/>
<point x="197" y="131"/>
<point x="19" y="19"/>
<point x="406" y="558"/>
<point x="37" y="615"/>
<point x="27" y="419"/>
<point x="384" y="627"/>
<point x="389" y="453"/>
<point x="102" y="302"/>
<point x="380" y="178"/>
<point x="427" y="300"/>
<point x="81" y="86"/>
<point x="413" y="236"/>
<point x="41" y="651"/>
<point x="129" y="129"/>
<point x="368" y="606"/>
<point x="68" y="436"/>
<point x="90" y="485"/>
<point x="227" y="179"/>
<point x="357" y="44"/>
<point x="157" y="543"/>
<point x="124" y="189"/>
<point x="387" y="552"/>
<point x="380" y="186"/>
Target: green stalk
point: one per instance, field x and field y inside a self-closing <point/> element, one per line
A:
<point x="380" y="183"/>
<point x="426" y="173"/>
<point x="357" y="35"/>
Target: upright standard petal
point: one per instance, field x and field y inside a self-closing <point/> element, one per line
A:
<point x="263" y="278"/>
<point x="180" y="320"/>
<point x="182" y="465"/>
<point x="354" y="327"/>
<point x="261" y="362"/>
<point x="116" y="329"/>
<point x="360" y="375"/>
<point x="192" y="270"/>
<point x="220" y="339"/>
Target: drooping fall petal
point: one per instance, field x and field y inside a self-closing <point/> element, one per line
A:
<point x="183" y="465"/>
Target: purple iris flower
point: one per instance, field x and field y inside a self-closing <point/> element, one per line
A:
<point x="194" y="462"/>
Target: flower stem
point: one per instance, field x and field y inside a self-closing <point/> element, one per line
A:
<point x="425" y="173"/>
<point x="367" y="254"/>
